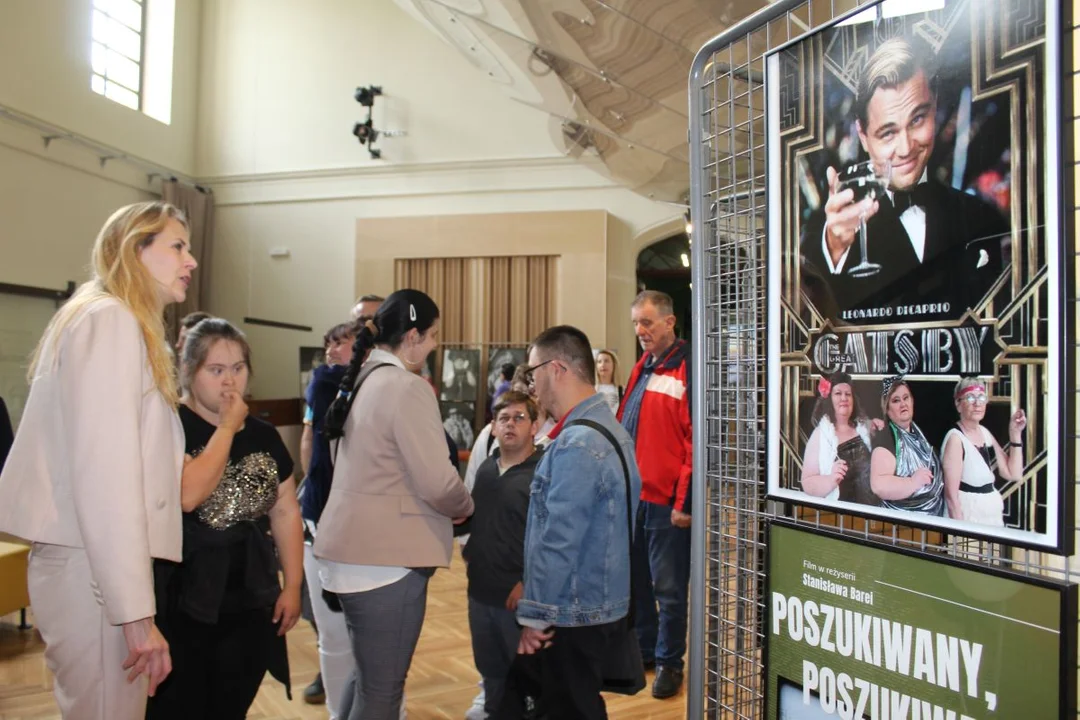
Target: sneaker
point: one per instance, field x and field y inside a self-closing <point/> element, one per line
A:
<point x="315" y="694"/>
<point x="476" y="711"/>
<point x="667" y="682"/>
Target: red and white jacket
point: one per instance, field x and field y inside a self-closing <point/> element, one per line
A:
<point x="664" y="443"/>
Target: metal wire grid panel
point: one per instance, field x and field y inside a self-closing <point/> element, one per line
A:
<point x="728" y="208"/>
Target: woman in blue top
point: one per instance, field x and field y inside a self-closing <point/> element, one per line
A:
<point x="335" y="653"/>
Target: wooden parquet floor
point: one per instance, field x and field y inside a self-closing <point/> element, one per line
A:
<point x="442" y="681"/>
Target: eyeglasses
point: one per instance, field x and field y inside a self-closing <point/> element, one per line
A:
<point x="975" y="399"/>
<point x="529" y="379"/>
<point x="504" y="420"/>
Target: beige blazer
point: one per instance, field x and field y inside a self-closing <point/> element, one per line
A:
<point x="394" y="491"/>
<point x="97" y="459"/>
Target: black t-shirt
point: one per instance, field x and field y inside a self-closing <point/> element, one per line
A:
<point x="884" y="438"/>
<point x="258" y="463"/>
<point x="496" y="548"/>
<point x="231" y="528"/>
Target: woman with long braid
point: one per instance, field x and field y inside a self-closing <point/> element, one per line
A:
<point x="387" y="523"/>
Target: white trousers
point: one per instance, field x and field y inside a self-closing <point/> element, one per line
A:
<point x="84" y="652"/>
<point x="335" y="651"/>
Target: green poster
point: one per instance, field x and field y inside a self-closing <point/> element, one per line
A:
<point x="859" y="630"/>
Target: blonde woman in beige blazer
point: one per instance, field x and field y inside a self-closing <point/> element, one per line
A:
<point x="388" y="521"/>
<point x="93" y="478"/>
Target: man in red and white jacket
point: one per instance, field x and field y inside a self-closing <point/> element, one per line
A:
<point x="656" y="412"/>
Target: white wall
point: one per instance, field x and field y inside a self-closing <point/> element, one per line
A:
<point x="315" y="217"/>
<point x="276" y="112"/>
<point x="53" y="201"/>
<point x="277" y="86"/>
<point x="52" y="205"/>
<point x="45" y="73"/>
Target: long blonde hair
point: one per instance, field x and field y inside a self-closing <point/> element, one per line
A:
<point x="118" y="273"/>
<point x="614" y="367"/>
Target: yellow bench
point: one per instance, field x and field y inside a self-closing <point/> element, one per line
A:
<point x="14" y="594"/>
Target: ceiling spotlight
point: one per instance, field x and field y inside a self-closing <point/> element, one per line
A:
<point x="689" y="225"/>
<point x="366" y="95"/>
<point x="365" y="132"/>
<point x="685" y="260"/>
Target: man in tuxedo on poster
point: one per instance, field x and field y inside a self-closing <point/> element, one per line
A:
<point x="939" y="249"/>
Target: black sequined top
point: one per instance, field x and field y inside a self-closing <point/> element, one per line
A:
<point x="229" y="564"/>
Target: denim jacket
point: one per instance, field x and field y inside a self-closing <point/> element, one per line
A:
<point x="577" y="554"/>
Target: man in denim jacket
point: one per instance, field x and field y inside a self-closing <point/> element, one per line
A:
<point x="577" y="554"/>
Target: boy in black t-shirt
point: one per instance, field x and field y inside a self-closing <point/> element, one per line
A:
<point x="496" y="550"/>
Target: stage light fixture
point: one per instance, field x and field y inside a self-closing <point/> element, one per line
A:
<point x="365" y="132"/>
<point x="366" y="95"/>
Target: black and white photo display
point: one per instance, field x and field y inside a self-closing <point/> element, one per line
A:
<point x="458" y="418"/>
<point x="460" y="373"/>
<point x="310" y="358"/>
<point x="497" y="358"/>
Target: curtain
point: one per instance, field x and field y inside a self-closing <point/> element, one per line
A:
<point x="449" y="282"/>
<point x="520" y="298"/>
<point x="486" y="301"/>
<point x="485" y="304"/>
<point x="198" y="205"/>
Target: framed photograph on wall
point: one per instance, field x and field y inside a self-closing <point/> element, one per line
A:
<point x="460" y="375"/>
<point x="497" y="357"/>
<point x="310" y="358"/>
<point x="458" y="419"/>
<point x="429" y="372"/>
<point x="918" y="268"/>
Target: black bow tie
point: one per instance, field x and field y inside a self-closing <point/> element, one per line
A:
<point x="904" y="199"/>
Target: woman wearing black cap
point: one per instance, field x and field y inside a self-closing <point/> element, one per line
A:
<point x="905" y="472"/>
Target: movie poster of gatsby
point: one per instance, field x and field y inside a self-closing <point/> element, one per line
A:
<point x="917" y="270"/>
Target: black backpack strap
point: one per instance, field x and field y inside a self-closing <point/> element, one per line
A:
<point x="367" y="370"/>
<point x="629" y="513"/>
<point x="364" y="373"/>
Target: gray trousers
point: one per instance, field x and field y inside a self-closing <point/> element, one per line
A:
<point x="495" y="635"/>
<point x="384" y="627"/>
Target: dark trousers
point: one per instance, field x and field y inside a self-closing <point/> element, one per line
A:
<point x="565" y="679"/>
<point x="217" y="669"/>
<point x="384" y="627"/>
<point x="495" y="635"/>
<point x="661" y="557"/>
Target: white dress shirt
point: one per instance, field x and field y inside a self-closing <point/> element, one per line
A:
<point x="914" y="221"/>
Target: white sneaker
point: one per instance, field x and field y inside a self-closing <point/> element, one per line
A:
<point x="476" y="712"/>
